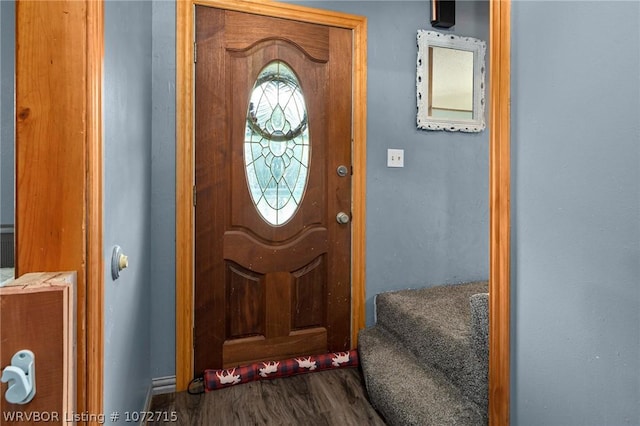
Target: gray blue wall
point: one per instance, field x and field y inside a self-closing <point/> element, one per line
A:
<point x="127" y="203"/>
<point x="576" y="213"/>
<point x="7" y="72"/>
<point x="163" y="184"/>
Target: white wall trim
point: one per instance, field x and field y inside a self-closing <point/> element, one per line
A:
<point x="147" y="400"/>
<point x="161" y="385"/>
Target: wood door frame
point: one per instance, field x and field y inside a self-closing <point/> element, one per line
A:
<point x="499" y="186"/>
<point x="185" y="167"/>
<point x="68" y="229"/>
<point x="499" y="211"/>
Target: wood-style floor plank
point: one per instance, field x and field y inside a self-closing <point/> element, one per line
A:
<point x="333" y="397"/>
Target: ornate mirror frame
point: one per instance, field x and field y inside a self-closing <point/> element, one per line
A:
<point x="428" y="39"/>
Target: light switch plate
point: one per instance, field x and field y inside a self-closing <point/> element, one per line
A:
<point x="395" y="157"/>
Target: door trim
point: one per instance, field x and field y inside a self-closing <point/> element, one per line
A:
<point x="95" y="225"/>
<point x="499" y="211"/>
<point x="185" y="161"/>
<point x="78" y="53"/>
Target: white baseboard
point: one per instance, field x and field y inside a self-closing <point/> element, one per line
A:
<point x="165" y="384"/>
<point x="375" y="309"/>
<point x="147" y="401"/>
<point x="159" y="386"/>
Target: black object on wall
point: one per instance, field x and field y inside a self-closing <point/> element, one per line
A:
<point x="443" y="13"/>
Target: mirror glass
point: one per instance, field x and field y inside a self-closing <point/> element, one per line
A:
<point x="450" y="82"/>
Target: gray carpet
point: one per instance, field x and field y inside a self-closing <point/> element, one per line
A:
<point x="425" y="361"/>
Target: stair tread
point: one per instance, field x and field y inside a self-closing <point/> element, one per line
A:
<point x="445" y="307"/>
<point x="407" y="392"/>
<point x="435" y="325"/>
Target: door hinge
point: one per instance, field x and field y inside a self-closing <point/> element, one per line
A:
<point x="194" y="195"/>
<point x="195" y="52"/>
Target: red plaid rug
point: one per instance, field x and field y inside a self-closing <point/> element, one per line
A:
<point x="218" y="379"/>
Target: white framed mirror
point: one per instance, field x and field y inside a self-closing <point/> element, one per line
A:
<point x="450" y="82"/>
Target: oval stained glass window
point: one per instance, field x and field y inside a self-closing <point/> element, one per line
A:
<point x="276" y="144"/>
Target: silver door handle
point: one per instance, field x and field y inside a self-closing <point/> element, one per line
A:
<point x="342" y="218"/>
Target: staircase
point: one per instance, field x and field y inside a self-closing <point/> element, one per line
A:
<point x="425" y="361"/>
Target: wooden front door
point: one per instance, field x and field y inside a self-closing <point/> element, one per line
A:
<point x="273" y="188"/>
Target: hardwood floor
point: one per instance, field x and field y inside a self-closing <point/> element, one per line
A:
<point x="332" y="397"/>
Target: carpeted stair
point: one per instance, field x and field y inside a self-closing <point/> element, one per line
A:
<point x="425" y="361"/>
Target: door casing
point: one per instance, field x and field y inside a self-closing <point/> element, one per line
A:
<point x="185" y="168"/>
<point x="499" y="211"/>
<point x="499" y="184"/>
<point x="69" y="46"/>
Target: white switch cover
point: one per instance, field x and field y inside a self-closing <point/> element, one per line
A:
<point x="395" y="157"/>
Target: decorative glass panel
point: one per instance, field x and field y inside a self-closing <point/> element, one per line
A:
<point x="276" y="145"/>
